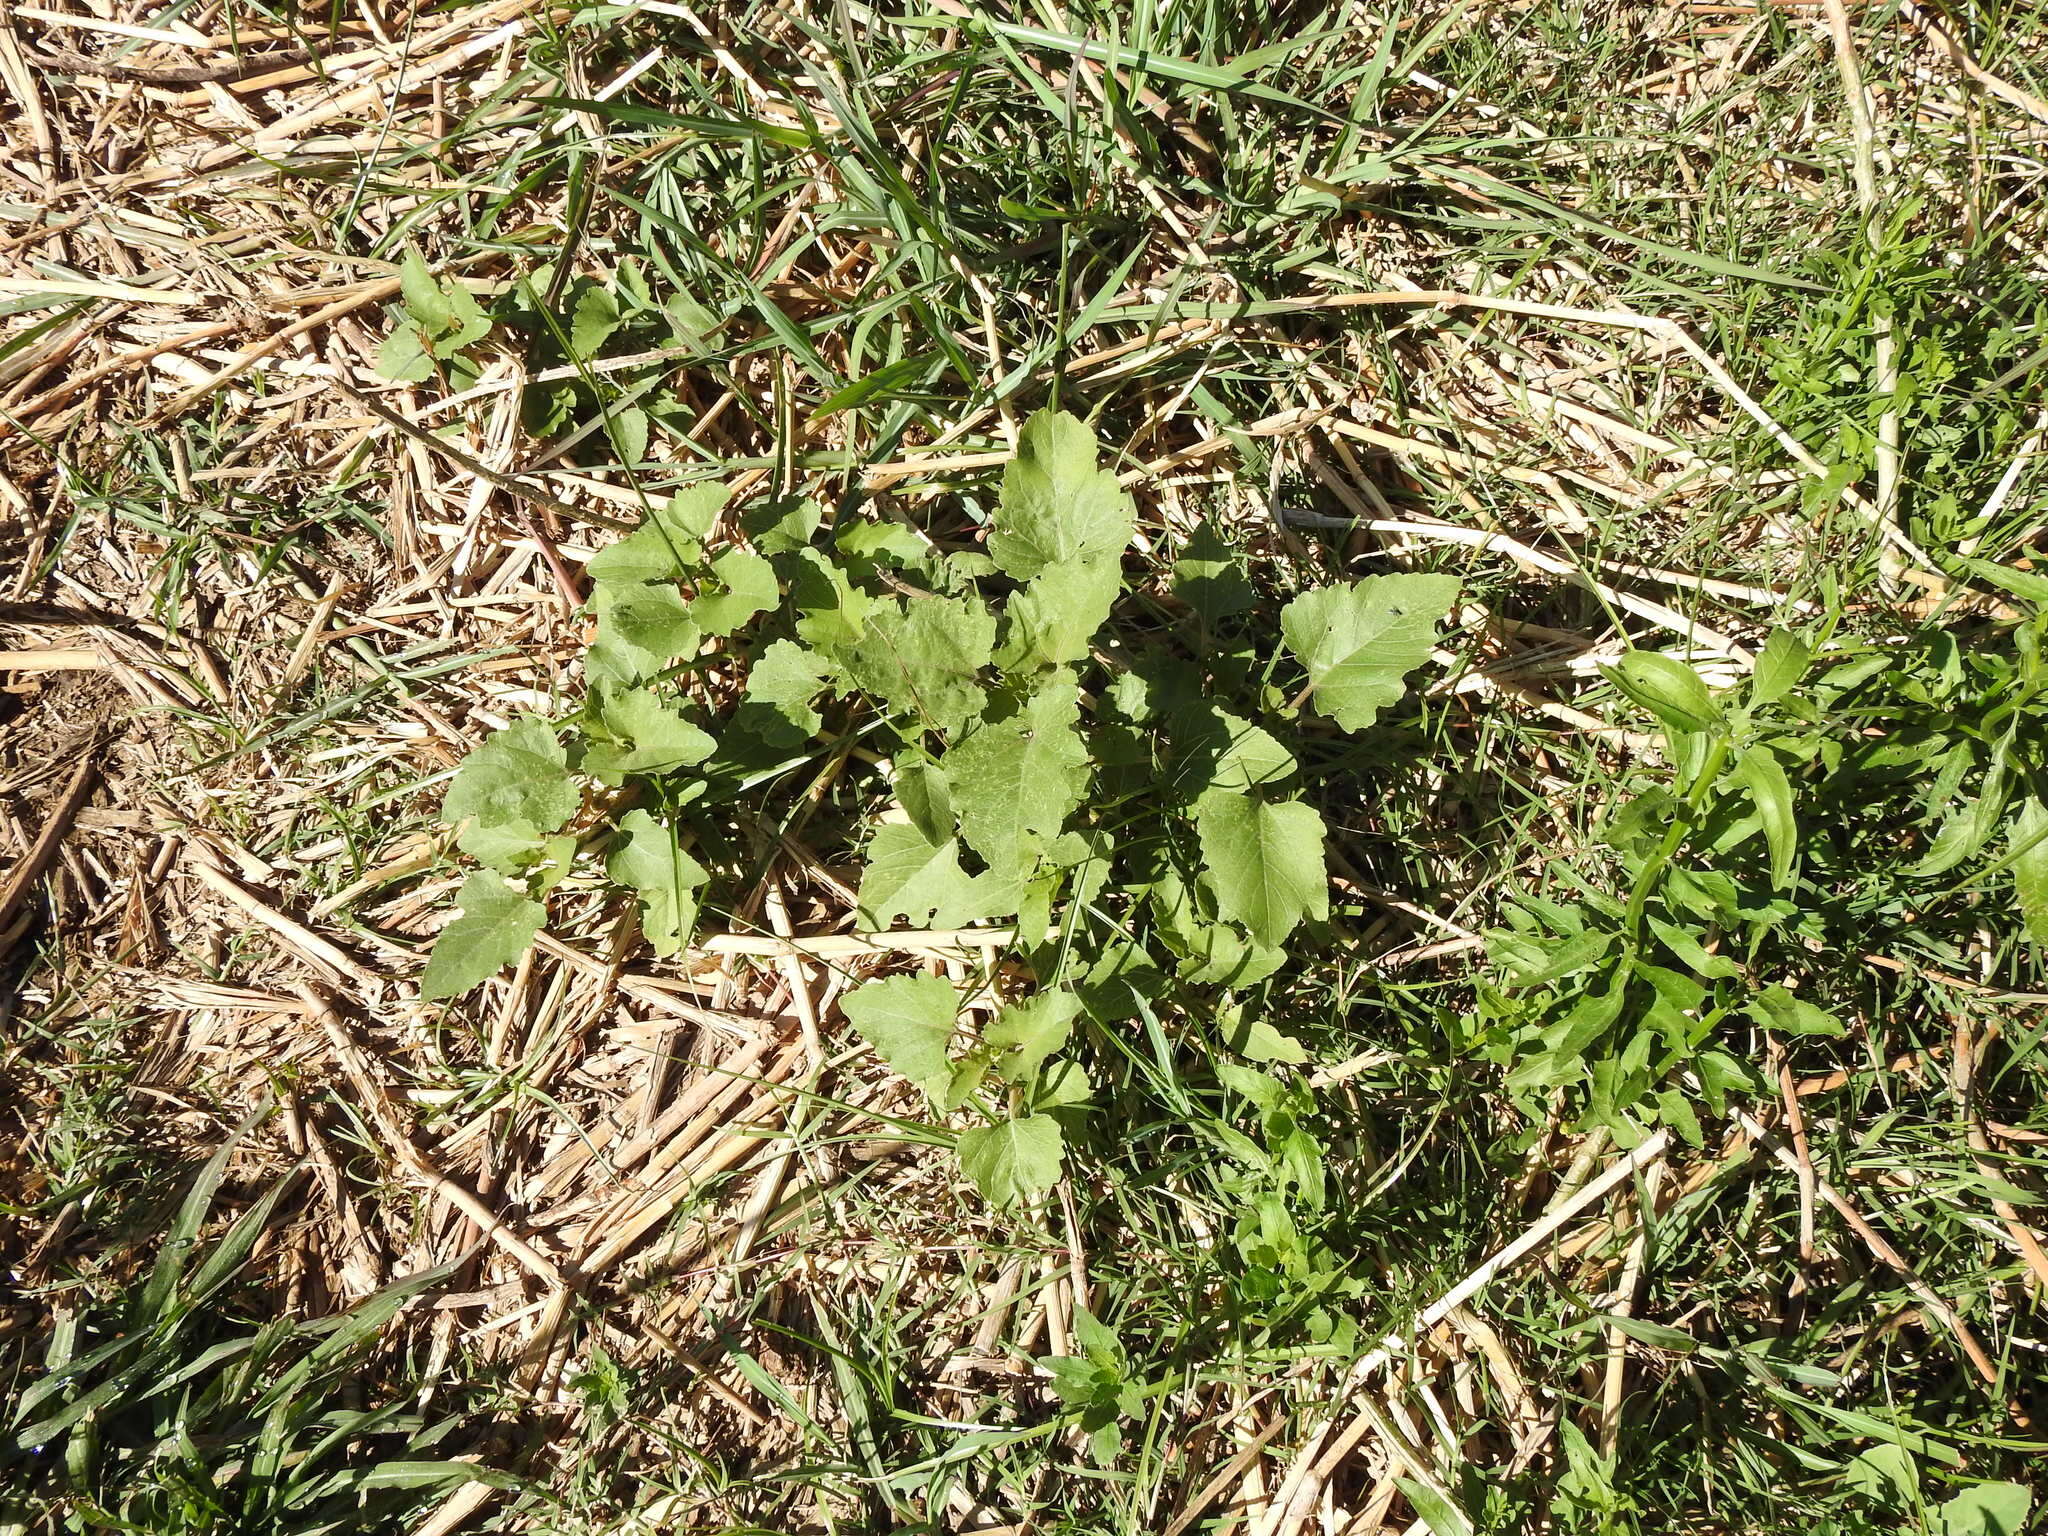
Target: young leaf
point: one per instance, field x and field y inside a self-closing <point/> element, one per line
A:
<point x="1056" y="505"/>
<point x="2029" y="840"/>
<point x="784" y="680"/>
<point x="420" y="292"/>
<point x="1780" y="667"/>
<point x="511" y="792"/>
<point x="649" y="861"/>
<point x="1027" y="1033"/>
<point x="403" y="357"/>
<point x="1264" y="862"/>
<point x="1015" y="1160"/>
<point x="909" y="1022"/>
<point x="495" y="928"/>
<point x="1016" y="781"/>
<point x="592" y="321"/>
<point x="1760" y="772"/>
<point x="640" y="630"/>
<point x="921" y="655"/>
<point x="1667" y="688"/>
<point x="665" y="547"/>
<point x="1360" y="642"/>
<point x="742" y="584"/>
<point x="640" y="734"/>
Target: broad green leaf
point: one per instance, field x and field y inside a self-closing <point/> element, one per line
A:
<point x="1098" y="1340"/>
<point x="1054" y="619"/>
<point x="910" y="876"/>
<point x="965" y="1080"/>
<point x="1264" y="862"/>
<point x="640" y="630"/>
<point x="1676" y="1111"/>
<point x="1360" y="642"/>
<point x="2030" y="585"/>
<point x="1212" y="954"/>
<point x="922" y="791"/>
<point x="2029" y="840"/>
<point x="1987" y="1509"/>
<point x="444" y="317"/>
<point x="635" y="731"/>
<point x="403" y="357"/>
<point x="1209" y="579"/>
<point x="741" y="584"/>
<point x="1667" y="688"/>
<point x="1015" y="1160"/>
<point x="784" y="680"/>
<point x="627" y="427"/>
<point x="1015" y="782"/>
<point x="510" y="793"/>
<point x="882" y="543"/>
<point x="1961" y="836"/>
<point x="1691" y="953"/>
<point x="781" y="526"/>
<point x="1534" y="963"/>
<point x="551" y="866"/>
<point x="1026" y="1033"/>
<point x="1437" y="1512"/>
<point x="1886" y="1473"/>
<point x="666" y="546"/>
<point x="832" y="613"/>
<point x="420" y="291"/>
<point x="1056" y="506"/>
<point x="650" y="861"/>
<point x="1063" y="1086"/>
<point x="1780" y="667"/>
<point x="592" y="321"/>
<point x="495" y="928"/>
<point x="909" y="1022"/>
<point x="921" y="656"/>
<point x="1256" y="1040"/>
<point x="1760" y="772"/>
<point x="1224" y="751"/>
<point x="1776" y="1008"/>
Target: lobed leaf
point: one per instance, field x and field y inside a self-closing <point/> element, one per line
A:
<point x="1057" y="507"/>
<point x="909" y="1022"/>
<point x="510" y="793"/>
<point x="1015" y="1160"/>
<point x="1264" y="862"/>
<point x="1360" y="642"/>
<point x="1016" y="781"/>
<point x="497" y="925"/>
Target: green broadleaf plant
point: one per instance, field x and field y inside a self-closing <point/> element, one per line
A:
<point x="1004" y="727"/>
